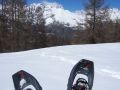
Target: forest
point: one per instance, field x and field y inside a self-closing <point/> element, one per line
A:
<point x="22" y="29"/>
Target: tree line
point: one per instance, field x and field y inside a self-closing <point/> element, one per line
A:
<point x="99" y="28"/>
<point x="23" y="27"/>
<point x="20" y="28"/>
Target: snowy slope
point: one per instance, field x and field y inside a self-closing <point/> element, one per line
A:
<point x="52" y="66"/>
<point x="114" y="13"/>
<point x="54" y="11"/>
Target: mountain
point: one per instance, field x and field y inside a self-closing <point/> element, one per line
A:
<point x="52" y="66"/>
<point x="56" y="12"/>
<point x="114" y="13"/>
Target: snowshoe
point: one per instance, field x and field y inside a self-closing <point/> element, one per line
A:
<point x="76" y="80"/>
<point x="25" y="81"/>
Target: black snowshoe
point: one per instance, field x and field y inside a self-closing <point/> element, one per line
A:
<point x="83" y="67"/>
<point x="24" y="81"/>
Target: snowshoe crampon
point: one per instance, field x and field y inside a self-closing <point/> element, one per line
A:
<point x="81" y="76"/>
<point x="25" y="81"/>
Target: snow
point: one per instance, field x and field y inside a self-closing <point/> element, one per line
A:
<point x="114" y="13"/>
<point x="22" y="82"/>
<point x="65" y="16"/>
<point x="52" y="66"/>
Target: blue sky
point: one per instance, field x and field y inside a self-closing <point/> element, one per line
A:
<point x="73" y="5"/>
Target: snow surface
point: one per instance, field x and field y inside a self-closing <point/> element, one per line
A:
<point x="52" y="66"/>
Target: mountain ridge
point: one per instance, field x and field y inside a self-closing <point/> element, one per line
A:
<point x="56" y="12"/>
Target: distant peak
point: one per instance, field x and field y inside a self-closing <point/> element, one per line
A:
<point x="53" y="4"/>
<point x="48" y="4"/>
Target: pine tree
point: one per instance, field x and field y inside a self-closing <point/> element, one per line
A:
<point x="40" y="28"/>
<point x="96" y="14"/>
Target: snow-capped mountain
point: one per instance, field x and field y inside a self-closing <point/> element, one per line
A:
<point x="56" y="12"/>
<point x="62" y="15"/>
